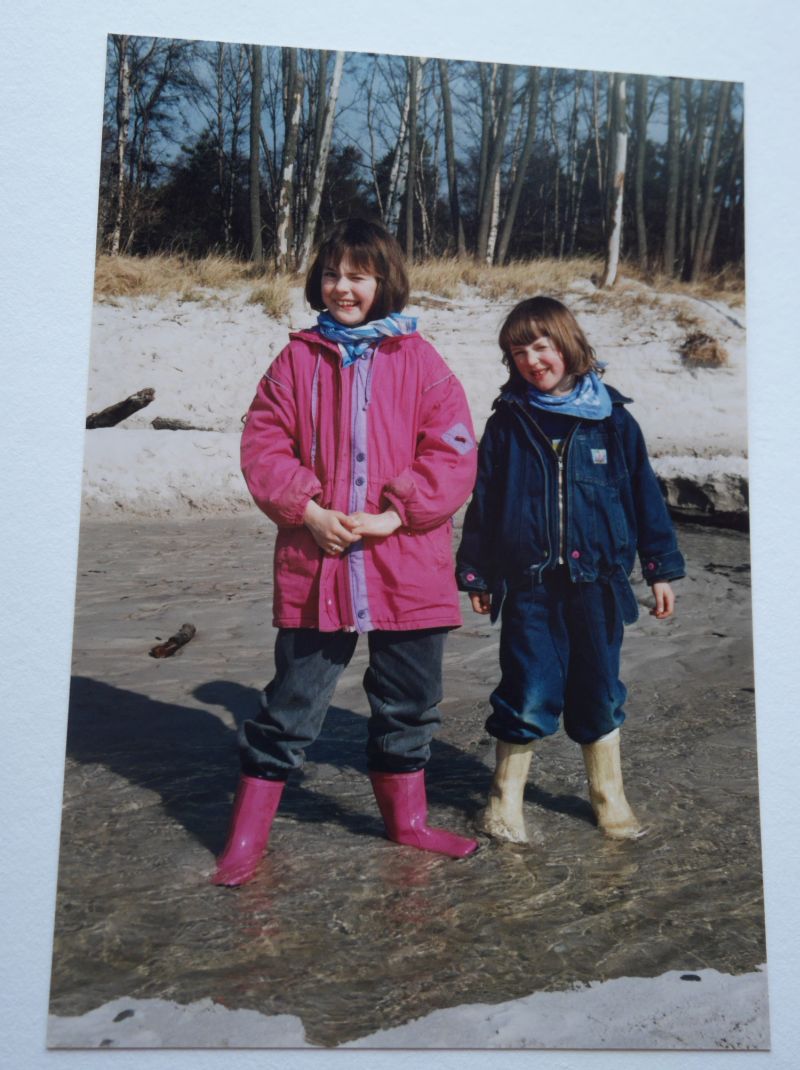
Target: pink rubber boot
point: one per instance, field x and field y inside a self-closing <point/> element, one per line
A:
<point x="404" y="809"/>
<point x="253" y="812"/>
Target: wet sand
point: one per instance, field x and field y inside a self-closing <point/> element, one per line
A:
<point x="341" y="929"/>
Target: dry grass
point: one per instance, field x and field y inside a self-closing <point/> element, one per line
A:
<point x="701" y="350"/>
<point x="445" y="276"/>
<point x="274" y="296"/>
<point x="687" y="320"/>
<point x="164" y="275"/>
<point x="628" y="299"/>
<point x="727" y="285"/>
<point x="198" y="279"/>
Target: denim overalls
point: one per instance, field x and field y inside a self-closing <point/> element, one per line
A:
<point x="554" y="539"/>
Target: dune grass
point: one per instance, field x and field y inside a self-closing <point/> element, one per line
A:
<point x="164" y="275"/>
<point x="445" y="276"/>
<point x="727" y="285"/>
<point x="274" y="296"/>
<point x="201" y="279"/>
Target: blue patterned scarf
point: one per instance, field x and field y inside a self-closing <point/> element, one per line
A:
<point x="354" y="341"/>
<point x="589" y="399"/>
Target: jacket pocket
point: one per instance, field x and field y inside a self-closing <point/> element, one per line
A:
<point x="296" y="552"/>
<point x="596" y="458"/>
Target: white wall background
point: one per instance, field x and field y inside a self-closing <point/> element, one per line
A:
<point x="51" y="85"/>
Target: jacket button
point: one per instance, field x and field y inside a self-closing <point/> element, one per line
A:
<point x="651" y="566"/>
<point x="470" y="576"/>
<point x="360" y="456"/>
<point x="362" y="613"/>
<point x="360" y="481"/>
<point x="575" y="554"/>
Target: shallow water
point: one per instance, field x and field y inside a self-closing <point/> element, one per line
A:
<point x="341" y="927"/>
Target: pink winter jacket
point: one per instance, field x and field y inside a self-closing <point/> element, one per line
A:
<point x="421" y="458"/>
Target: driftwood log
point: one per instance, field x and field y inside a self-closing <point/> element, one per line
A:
<point x="115" y="414"/>
<point x="175" y="642"/>
<point x="171" y="423"/>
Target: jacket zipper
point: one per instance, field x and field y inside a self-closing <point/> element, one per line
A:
<point x="538" y="431"/>
<point x="562" y="497"/>
<point x="561" y="486"/>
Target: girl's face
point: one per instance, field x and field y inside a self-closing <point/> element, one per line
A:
<point x="541" y="364"/>
<point x="348" y="293"/>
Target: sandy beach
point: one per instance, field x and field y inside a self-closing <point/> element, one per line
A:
<point x="345" y="939"/>
<point x="203" y="359"/>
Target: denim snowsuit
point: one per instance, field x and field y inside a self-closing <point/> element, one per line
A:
<point x="554" y="541"/>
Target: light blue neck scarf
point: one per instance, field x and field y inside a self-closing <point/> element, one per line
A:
<point x="588" y="400"/>
<point x="355" y="341"/>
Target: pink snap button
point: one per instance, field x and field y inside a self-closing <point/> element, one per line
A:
<point x="576" y="554"/>
<point x="470" y="575"/>
<point x="651" y="565"/>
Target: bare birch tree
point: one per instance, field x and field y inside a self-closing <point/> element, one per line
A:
<point x="640" y="127"/>
<point x="256" y="78"/>
<point x="532" y="100"/>
<point x="123" y="120"/>
<point x="456" y="222"/>
<point x="702" y="250"/>
<point x="497" y="127"/>
<point x="322" y="144"/>
<point x="673" y="175"/>
<point x="620" y="135"/>
<point x="413" y="65"/>
<point x="293" y="102"/>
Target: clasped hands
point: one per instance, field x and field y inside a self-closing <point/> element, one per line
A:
<point x="333" y="531"/>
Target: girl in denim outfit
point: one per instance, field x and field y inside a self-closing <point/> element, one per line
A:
<point x="359" y="446"/>
<point x="564" y="500"/>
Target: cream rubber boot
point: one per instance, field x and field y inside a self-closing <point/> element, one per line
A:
<point x="502" y="819"/>
<point x="606" y="794"/>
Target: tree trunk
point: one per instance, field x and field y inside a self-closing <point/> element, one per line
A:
<point x="412" y="156"/>
<point x="519" y="181"/>
<point x="601" y="175"/>
<point x="256" y="78"/>
<point x="701" y="250"/>
<point x="294" y="101"/>
<point x="123" y="118"/>
<point x="698" y="142"/>
<point x="399" y="166"/>
<point x="673" y="175"/>
<point x="557" y="221"/>
<point x="572" y="159"/>
<point x="620" y="135"/>
<point x="456" y="225"/>
<point x="321" y="152"/>
<point x="640" y="106"/>
<point x="495" y="159"/>
<point x="487" y="75"/>
<point x="730" y="192"/>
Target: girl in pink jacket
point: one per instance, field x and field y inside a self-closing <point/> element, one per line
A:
<point x="359" y="446"/>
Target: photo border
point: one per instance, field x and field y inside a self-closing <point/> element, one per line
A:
<point x="51" y="178"/>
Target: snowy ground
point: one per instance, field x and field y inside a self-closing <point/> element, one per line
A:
<point x="204" y="360"/>
<point x="628" y="1013"/>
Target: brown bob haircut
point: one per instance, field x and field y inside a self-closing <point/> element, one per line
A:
<point x="370" y="248"/>
<point x="539" y="317"/>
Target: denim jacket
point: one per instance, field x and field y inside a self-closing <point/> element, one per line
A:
<point x="594" y="508"/>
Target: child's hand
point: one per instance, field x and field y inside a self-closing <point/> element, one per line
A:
<point x="665" y="601"/>
<point x="481" y="601"/>
<point x="329" y="528"/>
<point x="374" y="525"/>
